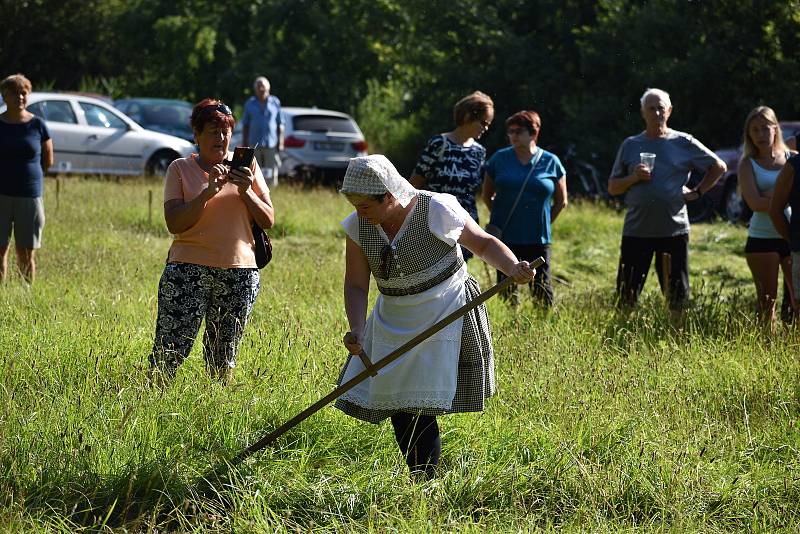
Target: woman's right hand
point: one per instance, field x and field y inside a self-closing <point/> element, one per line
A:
<point x="352" y="341"/>
<point x="216" y="179"/>
<point x="522" y="272"/>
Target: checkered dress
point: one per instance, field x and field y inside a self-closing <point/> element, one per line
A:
<point x="417" y="252"/>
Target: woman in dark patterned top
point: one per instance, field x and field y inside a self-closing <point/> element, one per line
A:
<point x="452" y="162"/>
<point x="408" y="240"/>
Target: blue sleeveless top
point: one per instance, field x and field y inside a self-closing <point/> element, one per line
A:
<point x="761" y="226"/>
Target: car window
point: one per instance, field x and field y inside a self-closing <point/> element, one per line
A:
<point x="167" y="115"/>
<point x="37" y="109"/>
<point x="133" y="111"/>
<point x="97" y="116"/>
<point x="54" y="110"/>
<point x="323" y="123"/>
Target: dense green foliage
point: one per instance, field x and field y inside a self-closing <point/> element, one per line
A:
<point x="601" y="423"/>
<point x="400" y="66"/>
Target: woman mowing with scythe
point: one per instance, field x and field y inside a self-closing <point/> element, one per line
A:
<point x="408" y="240"/>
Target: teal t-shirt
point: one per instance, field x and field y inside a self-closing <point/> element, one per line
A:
<point x="530" y="222"/>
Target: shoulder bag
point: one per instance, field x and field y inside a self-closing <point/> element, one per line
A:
<point x="263" y="247"/>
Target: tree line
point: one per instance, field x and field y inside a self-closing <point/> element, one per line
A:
<point x="399" y="65"/>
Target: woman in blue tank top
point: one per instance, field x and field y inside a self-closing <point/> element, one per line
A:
<point x="766" y="251"/>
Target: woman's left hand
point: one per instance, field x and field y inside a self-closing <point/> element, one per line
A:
<point x="241" y="178"/>
<point x="522" y="272"/>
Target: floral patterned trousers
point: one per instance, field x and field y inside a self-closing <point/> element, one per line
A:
<point x="188" y="293"/>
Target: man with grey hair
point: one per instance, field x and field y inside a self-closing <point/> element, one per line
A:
<point x="660" y="93"/>
<point x="262" y="127"/>
<point x="652" y="170"/>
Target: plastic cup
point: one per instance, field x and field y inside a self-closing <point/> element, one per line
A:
<point x="648" y="159"/>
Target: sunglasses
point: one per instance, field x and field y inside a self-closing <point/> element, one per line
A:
<point x="485" y="124"/>
<point x="516" y="131"/>
<point x="221" y="107"/>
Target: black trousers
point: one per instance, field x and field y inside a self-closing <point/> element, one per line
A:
<point x="636" y="255"/>
<point x="541" y="288"/>
<point x="419" y="441"/>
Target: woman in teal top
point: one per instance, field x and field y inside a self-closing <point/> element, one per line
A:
<point x="525" y="188"/>
<point x="766" y="251"/>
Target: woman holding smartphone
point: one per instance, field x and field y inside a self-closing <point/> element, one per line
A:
<point x="211" y="269"/>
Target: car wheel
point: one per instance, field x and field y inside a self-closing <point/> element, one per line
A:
<point x="733" y="204"/>
<point x="157" y="166"/>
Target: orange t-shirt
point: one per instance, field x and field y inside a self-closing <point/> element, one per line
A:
<point x="222" y="237"/>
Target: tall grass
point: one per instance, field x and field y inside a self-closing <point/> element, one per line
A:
<point x="602" y="422"/>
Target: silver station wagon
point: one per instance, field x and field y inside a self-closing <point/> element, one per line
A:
<point x="318" y="143"/>
<point x="92" y="137"/>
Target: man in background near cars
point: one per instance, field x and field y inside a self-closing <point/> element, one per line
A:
<point x="262" y="126"/>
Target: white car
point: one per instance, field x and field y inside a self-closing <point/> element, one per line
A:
<point x="318" y="143"/>
<point x="92" y="137"/>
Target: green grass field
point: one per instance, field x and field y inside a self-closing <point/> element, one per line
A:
<point x="602" y="422"/>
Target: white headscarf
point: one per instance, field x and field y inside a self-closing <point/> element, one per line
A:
<point x="375" y="175"/>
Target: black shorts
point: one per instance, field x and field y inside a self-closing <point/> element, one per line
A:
<point x="635" y="258"/>
<point x="761" y="245"/>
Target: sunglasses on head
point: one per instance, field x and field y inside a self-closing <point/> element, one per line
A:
<point x="221" y="107"/>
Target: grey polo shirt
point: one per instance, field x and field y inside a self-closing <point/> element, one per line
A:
<point x="656" y="208"/>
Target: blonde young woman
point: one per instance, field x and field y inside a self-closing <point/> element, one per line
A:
<point x="764" y="155"/>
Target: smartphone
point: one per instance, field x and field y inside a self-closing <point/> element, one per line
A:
<point x="242" y="157"/>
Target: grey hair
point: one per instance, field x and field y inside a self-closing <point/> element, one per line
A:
<point x="660" y="93"/>
<point x="261" y="79"/>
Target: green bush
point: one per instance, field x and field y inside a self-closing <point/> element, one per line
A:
<point x="391" y="128"/>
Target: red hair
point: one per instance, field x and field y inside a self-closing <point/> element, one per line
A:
<point x="208" y="111"/>
<point x="526" y="119"/>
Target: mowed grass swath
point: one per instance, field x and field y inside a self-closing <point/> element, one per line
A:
<point x="601" y="422"/>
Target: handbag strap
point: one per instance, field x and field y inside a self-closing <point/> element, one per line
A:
<point x="535" y="162"/>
